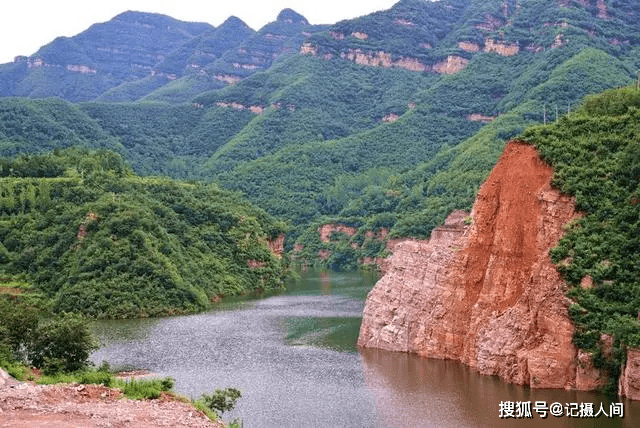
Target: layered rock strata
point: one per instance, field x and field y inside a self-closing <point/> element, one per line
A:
<point x="629" y="382"/>
<point x="486" y="294"/>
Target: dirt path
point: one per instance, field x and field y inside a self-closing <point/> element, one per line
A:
<point x="23" y="404"/>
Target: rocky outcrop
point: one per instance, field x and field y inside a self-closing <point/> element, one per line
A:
<point x="227" y="78"/>
<point x="240" y="107"/>
<point x="629" y="384"/>
<point x="477" y="117"/>
<point x="404" y="23"/>
<point x="308" y="48"/>
<point x="603" y="13"/>
<point x="486" y="294"/>
<point x="504" y="49"/>
<point x="451" y="65"/>
<point x="276" y="245"/>
<point x="383" y="59"/>
<point x="410" y="288"/>
<point x="469" y="46"/>
<point x="391" y="117"/>
<point x="559" y="41"/>
<point x="83" y="69"/>
<point x="326" y="230"/>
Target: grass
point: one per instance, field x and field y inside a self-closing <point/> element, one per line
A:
<point x="141" y="389"/>
<point x="134" y="389"/>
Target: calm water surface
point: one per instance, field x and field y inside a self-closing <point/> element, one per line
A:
<point x="293" y="356"/>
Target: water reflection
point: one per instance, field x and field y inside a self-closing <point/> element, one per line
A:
<point x="415" y="392"/>
<point x="334" y="333"/>
<point x="293" y="356"/>
<point x="122" y="331"/>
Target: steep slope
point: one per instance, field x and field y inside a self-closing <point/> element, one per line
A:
<point x="33" y="126"/>
<point x="82" y="67"/>
<point x="191" y="60"/>
<point x="94" y="238"/>
<point x="488" y="294"/>
<point x="533" y="290"/>
<point x="256" y="52"/>
<point x="282" y="36"/>
<point x="434" y="173"/>
<point x="390" y="120"/>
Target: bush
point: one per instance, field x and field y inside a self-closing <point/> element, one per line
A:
<point x="62" y="344"/>
<point x="221" y="400"/>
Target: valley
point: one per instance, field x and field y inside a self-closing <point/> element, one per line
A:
<point x="482" y="156"/>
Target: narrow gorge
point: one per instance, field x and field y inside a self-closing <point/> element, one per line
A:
<point x="483" y="289"/>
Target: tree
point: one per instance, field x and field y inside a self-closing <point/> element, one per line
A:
<point x="221" y="400"/>
<point x="62" y="344"/>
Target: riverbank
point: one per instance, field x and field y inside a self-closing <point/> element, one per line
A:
<point x="64" y="405"/>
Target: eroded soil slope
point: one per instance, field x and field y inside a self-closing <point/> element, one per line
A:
<point x="487" y="295"/>
<point x="23" y="404"/>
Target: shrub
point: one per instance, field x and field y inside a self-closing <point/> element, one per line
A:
<point x="221" y="400"/>
<point x="62" y="344"/>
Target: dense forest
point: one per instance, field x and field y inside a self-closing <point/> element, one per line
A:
<point x="95" y="238"/>
<point x="595" y="154"/>
<point x="384" y="123"/>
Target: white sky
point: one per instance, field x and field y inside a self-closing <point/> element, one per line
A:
<point x="26" y="25"/>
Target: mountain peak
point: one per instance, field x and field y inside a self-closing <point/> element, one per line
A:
<point x="134" y="15"/>
<point x="290" y="16"/>
<point x="233" y="22"/>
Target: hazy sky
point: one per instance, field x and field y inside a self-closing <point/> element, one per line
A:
<point x="26" y="25"/>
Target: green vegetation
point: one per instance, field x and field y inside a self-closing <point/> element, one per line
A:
<point x="140" y="389"/>
<point x="317" y="138"/>
<point x="221" y="400"/>
<point x="29" y="334"/>
<point x="596" y="157"/>
<point x="94" y="238"/>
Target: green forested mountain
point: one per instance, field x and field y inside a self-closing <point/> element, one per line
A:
<point x="596" y="157"/>
<point x="93" y="237"/>
<point x="106" y="55"/>
<point x="390" y="120"/>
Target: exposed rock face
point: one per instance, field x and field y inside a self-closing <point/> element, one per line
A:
<point x="487" y="294"/>
<point x="228" y="79"/>
<point x="559" y="41"/>
<point x="84" y="69"/>
<point x="239" y="107"/>
<point x="326" y="230"/>
<point x="588" y="378"/>
<point x="477" y="117"/>
<point x="409" y="291"/>
<point x="603" y="13"/>
<point x="382" y="59"/>
<point x="629" y="384"/>
<point x="277" y="245"/>
<point x="504" y="49"/>
<point x="469" y="46"/>
<point x="308" y="49"/>
<point x="452" y="65"/>
<point x="359" y="35"/>
<point x="391" y="117"/>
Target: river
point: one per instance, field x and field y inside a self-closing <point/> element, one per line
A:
<point x="293" y="356"/>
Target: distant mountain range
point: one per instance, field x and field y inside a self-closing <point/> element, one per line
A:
<point x="136" y="53"/>
<point x="390" y="120"/>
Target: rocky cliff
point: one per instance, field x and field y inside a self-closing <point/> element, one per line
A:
<point x="487" y="294"/>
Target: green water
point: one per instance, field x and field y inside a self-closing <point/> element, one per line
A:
<point x="294" y="358"/>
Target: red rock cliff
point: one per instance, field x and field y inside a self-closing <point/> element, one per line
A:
<point x="487" y="294"/>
